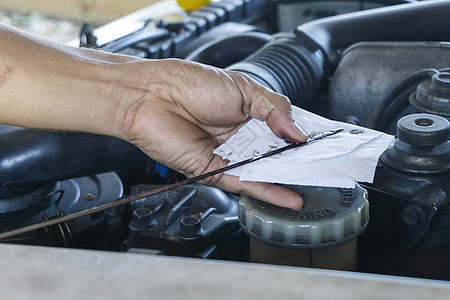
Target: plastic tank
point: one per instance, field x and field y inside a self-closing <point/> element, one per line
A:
<point x="323" y="234"/>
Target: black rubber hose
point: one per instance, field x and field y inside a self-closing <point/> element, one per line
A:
<point x="419" y="21"/>
<point x="31" y="157"/>
<point x="286" y="66"/>
<point x="398" y="99"/>
<point x="224" y="52"/>
<point x="298" y="65"/>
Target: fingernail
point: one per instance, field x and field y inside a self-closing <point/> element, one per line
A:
<point x="298" y="205"/>
<point x="300" y="130"/>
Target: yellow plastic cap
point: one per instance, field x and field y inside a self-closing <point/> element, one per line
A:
<point x="192" y="4"/>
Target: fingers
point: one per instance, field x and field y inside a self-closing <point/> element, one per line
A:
<point x="267" y="192"/>
<point x="266" y="105"/>
<point x="281" y="124"/>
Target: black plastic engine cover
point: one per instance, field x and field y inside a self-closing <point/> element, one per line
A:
<point x="368" y="72"/>
<point x="183" y="221"/>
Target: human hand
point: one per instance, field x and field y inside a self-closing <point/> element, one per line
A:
<point x="187" y="110"/>
<point x="176" y="111"/>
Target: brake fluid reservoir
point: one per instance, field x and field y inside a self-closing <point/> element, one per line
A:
<point x="323" y="234"/>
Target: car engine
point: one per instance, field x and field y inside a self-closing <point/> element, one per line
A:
<point x="381" y="64"/>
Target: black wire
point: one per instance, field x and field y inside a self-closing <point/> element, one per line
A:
<point x="392" y="104"/>
<point x="398" y="99"/>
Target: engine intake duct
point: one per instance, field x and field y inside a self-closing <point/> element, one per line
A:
<point x="296" y="64"/>
<point x="419" y="21"/>
<point x="287" y="66"/>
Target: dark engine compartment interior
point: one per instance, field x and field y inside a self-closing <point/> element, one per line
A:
<point x="369" y="68"/>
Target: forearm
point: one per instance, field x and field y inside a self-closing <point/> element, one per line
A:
<point x="175" y="111"/>
<point x="52" y="86"/>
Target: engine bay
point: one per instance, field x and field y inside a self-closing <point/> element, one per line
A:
<point x="383" y="65"/>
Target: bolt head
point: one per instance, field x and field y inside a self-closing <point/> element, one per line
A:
<point x="411" y="215"/>
<point x="143" y="217"/>
<point x="190" y="227"/>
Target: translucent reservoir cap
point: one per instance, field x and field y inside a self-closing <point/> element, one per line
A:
<point x="329" y="217"/>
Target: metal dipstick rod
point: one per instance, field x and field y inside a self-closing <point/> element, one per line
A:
<point x="125" y="200"/>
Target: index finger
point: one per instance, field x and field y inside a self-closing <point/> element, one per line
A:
<point x="265" y="105"/>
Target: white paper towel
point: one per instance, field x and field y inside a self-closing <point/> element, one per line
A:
<point x="336" y="161"/>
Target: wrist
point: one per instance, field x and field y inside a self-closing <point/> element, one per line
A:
<point x="136" y="83"/>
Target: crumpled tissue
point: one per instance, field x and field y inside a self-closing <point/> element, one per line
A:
<point x="336" y="161"/>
